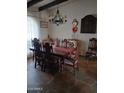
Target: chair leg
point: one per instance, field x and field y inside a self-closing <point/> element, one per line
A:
<point x="41" y="64"/>
<point x="59" y="65"/>
<point x="74" y="70"/>
<point x="77" y="66"/>
<point x="62" y="64"/>
<point x="35" y="63"/>
<point x="44" y="65"/>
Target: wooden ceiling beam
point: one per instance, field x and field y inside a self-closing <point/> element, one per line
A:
<point x="51" y="4"/>
<point x="32" y="2"/>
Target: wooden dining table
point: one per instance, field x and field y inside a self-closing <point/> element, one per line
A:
<point x="60" y="55"/>
<point x="55" y="53"/>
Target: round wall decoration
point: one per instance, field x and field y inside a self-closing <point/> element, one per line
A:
<point x="74" y="24"/>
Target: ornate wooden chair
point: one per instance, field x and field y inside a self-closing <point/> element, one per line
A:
<point x="37" y="57"/>
<point x="74" y="57"/>
<point x="92" y="48"/>
<point x="49" y="61"/>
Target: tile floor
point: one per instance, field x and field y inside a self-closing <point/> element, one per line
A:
<point x="84" y="81"/>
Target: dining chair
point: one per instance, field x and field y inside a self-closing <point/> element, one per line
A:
<point x="73" y="61"/>
<point x="37" y="56"/>
<point x="92" y="49"/>
<point x="49" y="61"/>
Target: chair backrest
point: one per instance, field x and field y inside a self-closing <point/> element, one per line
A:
<point x="48" y="49"/>
<point x="92" y="44"/>
<point x="37" y="46"/>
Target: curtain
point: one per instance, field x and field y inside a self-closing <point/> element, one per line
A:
<point x="32" y="31"/>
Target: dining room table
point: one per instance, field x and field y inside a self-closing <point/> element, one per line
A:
<point x="54" y="53"/>
<point x="62" y="56"/>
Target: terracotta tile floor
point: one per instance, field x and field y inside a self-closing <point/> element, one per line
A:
<point x="84" y="81"/>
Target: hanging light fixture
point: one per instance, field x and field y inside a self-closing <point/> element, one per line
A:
<point x="57" y="19"/>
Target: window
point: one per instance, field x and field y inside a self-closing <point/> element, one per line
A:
<point x="32" y="31"/>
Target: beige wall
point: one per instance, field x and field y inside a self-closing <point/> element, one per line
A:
<point x="76" y="9"/>
<point x="43" y="31"/>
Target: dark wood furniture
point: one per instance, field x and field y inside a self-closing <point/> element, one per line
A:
<point x="60" y="58"/>
<point x="74" y="55"/>
<point x="92" y="48"/>
<point x="49" y="61"/>
<point x="59" y="55"/>
<point x="37" y="57"/>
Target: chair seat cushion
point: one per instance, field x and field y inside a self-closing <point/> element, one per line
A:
<point x="68" y="62"/>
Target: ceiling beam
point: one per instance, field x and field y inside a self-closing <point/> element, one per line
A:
<point x="51" y="4"/>
<point x="32" y="2"/>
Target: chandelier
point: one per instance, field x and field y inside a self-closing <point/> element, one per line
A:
<point x="57" y="19"/>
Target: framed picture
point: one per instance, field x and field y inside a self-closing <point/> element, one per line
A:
<point x="43" y="24"/>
